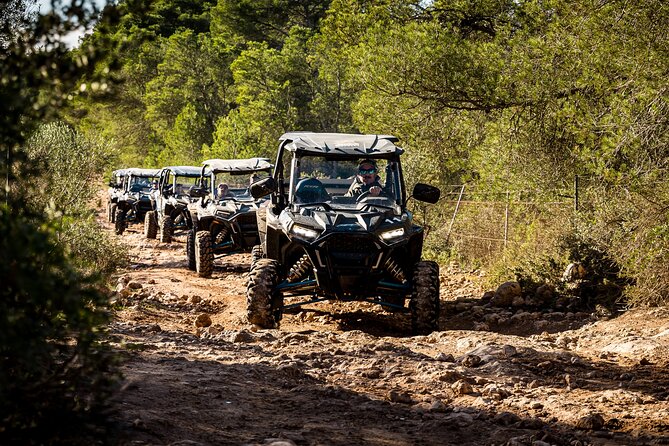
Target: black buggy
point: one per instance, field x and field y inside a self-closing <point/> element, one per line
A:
<point x="134" y="201"/>
<point x="224" y="222"/>
<point x="115" y="190"/>
<point x="317" y="241"/>
<point x="170" y="202"/>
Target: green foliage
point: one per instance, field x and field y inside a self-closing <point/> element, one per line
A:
<point x="501" y="95"/>
<point x="55" y="375"/>
<point x="265" y="20"/>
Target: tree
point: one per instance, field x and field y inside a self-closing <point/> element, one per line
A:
<point x="55" y="373"/>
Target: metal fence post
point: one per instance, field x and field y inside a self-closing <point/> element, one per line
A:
<point x="455" y="212"/>
<point x="576" y="193"/>
<point x="506" y="218"/>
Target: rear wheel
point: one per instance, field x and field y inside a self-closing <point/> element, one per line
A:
<point x="204" y="256"/>
<point x="424" y="303"/>
<point x="150" y="225"/>
<point x="190" y="249"/>
<point x="263" y="303"/>
<point x="166" y="229"/>
<point x="119" y="221"/>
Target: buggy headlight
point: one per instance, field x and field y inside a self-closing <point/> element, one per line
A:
<point x="392" y="234"/>
<point x="304" y="232"/>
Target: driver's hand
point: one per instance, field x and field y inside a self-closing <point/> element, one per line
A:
<point x="374" y="191"/>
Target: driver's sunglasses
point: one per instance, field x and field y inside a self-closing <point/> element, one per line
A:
<point x="366" y="171"/>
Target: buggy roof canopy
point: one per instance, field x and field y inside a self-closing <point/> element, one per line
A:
<point x="146" y="173"/>
<point x="119" y="172"/>
<point x="241" y="166"/>
<point x="341" y="144"/>
<point x="184" y="171"/>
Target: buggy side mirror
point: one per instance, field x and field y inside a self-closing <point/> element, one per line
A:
<point x="197" y="192"/>
<point x="263" y="187"/>
<point x="426" y="193"/>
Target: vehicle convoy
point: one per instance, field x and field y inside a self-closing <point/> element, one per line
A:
<point x="334" y="231"/>
<point x="170" y="202"/>
<point x="115" y="189"/>
<point x="133" y="200"/>
<point x="224" y="216"/>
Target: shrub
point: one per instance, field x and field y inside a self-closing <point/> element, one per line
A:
<point x="55" y="374"/>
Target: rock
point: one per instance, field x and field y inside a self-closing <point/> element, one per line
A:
<point x="215" y="329"/>
<point x="151" y="281"/>
<point x="443" y="357"/>
<point x="134" y="285"/>
<point x="194" y="299"/>
<point x="471" y="361"/>
<point x="506" y="418"/>
<point x="509" y="351"/>
<point x="493" y="391"/>
<point x="459" y="419"/>
<point x="545" y="294"/>
<point x="450" y="376"/>
<point x="593" y="422"/>
<point x="437" y="405"/>
<point x="243" y="337"/>
<point x="505" y="294"/>
<point x="371" y="373"/>
<point x="203" y="320"/>
<point x="487" y="296"/>
<point x="462" y="387"/>
<point x="399" y="397"/>
<point x="518" y="301"/>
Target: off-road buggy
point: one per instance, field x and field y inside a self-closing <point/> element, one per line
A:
<point x="224" y="224"/>
<point x="170" y="202"/>
<point x="134" y="201"/>
<point x="317" y="241"/>
<point x="114" y="191"/>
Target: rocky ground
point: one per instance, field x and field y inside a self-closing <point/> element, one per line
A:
<point x="351" y="374"/>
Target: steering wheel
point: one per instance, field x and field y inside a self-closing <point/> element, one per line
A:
<point x="362" y="196"/>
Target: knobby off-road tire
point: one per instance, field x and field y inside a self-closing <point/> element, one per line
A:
<point x="263" y="303"/>
<point x="190" y="249"/>
<point x="256" y="254"/>
<point x="166" y="229"/>
<point x="150" y="225"/>
<point x="119" y="221"/>
<point x="424" y="303"/>
<point x="112" y="212"/>
<point x="204" y="255"/>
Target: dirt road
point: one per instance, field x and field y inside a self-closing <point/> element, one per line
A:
<point x="351" y="374"/>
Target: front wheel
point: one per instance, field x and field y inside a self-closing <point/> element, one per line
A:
<point x="264" y="304"/>
<point x="166" y="229"/>
<point x="112" y="212"/>
<point x="424" y="303"/>
<point x="150" y="226"/>
<point x="204" y="255"/>
<point x="256" y="254"/>
<point x="119" y="221"/>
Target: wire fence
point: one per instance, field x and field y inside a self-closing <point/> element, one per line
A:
<point x="479" y="224"/>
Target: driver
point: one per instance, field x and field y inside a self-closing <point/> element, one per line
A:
<point x="366" y="180"/>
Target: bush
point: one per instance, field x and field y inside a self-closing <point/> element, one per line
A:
<point x="55" y="375"/>
<point x="66" y="185"/>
